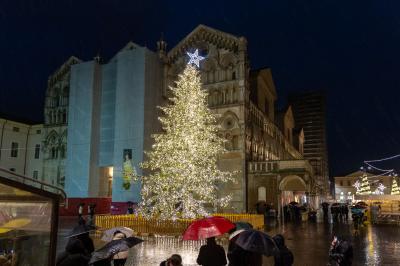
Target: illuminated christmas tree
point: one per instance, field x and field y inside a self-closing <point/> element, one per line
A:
<point x="395" y="188"/>
<point x="183" y="161"/>
<point x="365" y="188"/>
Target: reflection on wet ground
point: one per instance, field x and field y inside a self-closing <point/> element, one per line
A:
<point x="375" y="245"/>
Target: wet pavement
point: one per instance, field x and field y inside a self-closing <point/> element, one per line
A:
<point x="309" y="242"/>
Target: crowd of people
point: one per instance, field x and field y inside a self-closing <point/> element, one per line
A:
<point x="80" y="247"/>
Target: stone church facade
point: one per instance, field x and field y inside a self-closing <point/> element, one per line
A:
<point x="244" y="101"/>
<point x="55" y="124"/>
<point x="263" y="145"/>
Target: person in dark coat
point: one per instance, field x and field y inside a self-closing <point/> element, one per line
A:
<point x="174" y="260"/>
<point x="237" y="256"/>
<point x="283" y="256"/>
<point x="341" y="252"/>
<point x="81" y="220"/>
<point x="346" y="212"/>
<point x="74" y="254"/>
<point x="325" y="209"/>
<point x="211" y="254"/>
<point x="87" y="242"/>
<point x="91" y="211"/>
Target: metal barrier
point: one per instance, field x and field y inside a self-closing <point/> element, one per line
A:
<point x="155" y="226"/>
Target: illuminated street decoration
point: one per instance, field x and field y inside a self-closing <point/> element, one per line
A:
<point x="381" y="187"/>
<point x="357" y="185"/>
<point x="365" y="188"/>
<point x="395" y="187"/>
<point x="379" y="190"/>
<point x="195" y="58"/>
<point x="183" y="161"/>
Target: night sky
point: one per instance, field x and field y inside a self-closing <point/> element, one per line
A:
<point x="350" y="49"/>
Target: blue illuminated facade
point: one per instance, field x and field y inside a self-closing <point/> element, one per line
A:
<point x="112" y="114"/>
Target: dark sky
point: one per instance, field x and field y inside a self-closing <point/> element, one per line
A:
<point x="351" y="49"/>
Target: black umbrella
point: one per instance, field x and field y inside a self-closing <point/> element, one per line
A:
<point x="114" y="247"/>
<point x="257" y="242"/>
<point x="81" y="229"/>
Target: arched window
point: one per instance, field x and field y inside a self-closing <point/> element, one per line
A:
<point x="64" y="117"/>
<point x="262" y="194"/>
<point x="53" y="153"/>
<point x="235" y="142"/>
<point x="62" y="152"/>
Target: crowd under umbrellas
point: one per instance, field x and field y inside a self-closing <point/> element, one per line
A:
<point x="247" y="246"/>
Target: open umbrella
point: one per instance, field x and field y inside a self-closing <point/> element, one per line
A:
<point x="81" y="229"/>
<point x="257" y="242"/>
<point x="243" y="225"/>
<point x="235" y="233"/>
<point x="109" y="234"/>
<point x="114" y="247"/>
<point x="207" y="227"/>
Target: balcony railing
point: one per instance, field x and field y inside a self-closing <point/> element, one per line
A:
<point x="271" y="129"/>
<point x="280" y="166"/>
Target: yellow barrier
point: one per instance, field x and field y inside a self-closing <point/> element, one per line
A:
<point x="167" y="227"/>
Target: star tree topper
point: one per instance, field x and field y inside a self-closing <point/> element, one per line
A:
<point x="195" y="58"/>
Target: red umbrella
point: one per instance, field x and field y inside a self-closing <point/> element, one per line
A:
<point x="207" y="227"/>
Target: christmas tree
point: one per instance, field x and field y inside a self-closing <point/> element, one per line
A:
<point x="365" y="188"/>
<point x="395" y="188"/>
<point x="183" y="160"/>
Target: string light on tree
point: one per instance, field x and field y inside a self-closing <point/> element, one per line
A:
<point x="184" y="176"/>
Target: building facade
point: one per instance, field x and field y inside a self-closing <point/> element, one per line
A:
<point x="110" y="112"/>
<point x="21" y="147"/>
<point x="309" y="110"/>
<point x="112" y="115"/>
<point x="55" y="124"/>
<point x="244" y="100"/>
<point x="345" y="190"/>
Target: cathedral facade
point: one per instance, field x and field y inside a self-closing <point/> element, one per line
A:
<point x="56" y="124"/>
<point x="263" y="145"/>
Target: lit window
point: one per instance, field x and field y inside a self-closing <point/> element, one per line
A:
<point x="341" y="193"/>
<point x="349" y="193"/>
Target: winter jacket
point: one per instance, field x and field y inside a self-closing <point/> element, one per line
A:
<point x="342" y="253"/>
<point x="211" y="255"/>
<point x="240" y="257"/>
<point x="283" y="256"/>
<point x="74" y="254"/>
